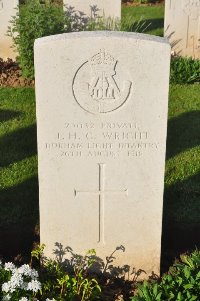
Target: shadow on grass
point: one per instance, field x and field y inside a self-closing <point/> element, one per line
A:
<point x="18" y="145"/>
<point x="142" y="25"/>
<point x="6" y="115"/>
<point x="19" y="214"/>
<point x="153" y="24"/>
<point x="181" y="211"/>
<point x="181" y="220"/>
<point x="183" y="133"/>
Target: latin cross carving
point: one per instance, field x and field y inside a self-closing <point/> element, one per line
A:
<point x="102" y="194"/>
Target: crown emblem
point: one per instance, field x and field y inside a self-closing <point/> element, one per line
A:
<point x="103" y="62"/>
<point x="105" y="90"/>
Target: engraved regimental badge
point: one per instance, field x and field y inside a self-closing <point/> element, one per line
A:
<point x="99" y="85"/>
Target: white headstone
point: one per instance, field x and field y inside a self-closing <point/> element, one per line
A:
<point x="7" y="10"/>
<point x="104" y="7"/>
<point x="102" y="100"/>
<point x="182" y="26"/>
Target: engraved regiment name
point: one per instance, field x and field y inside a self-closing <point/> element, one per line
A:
<point x="102" y="140"/>
<point x="102" y="92"/>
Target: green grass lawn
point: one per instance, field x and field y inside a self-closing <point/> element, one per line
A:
<point x="151" y="16"/>
<point x="19" y="210"/>
<point x="18" y="161"/>
<point x="182" y="177"/>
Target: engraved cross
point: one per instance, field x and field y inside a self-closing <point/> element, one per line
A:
<point x="101" y="193"/>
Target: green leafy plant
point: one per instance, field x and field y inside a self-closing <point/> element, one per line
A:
<point x="51" y="281"/>
<point x="184" y="70"/>
<point x="18" y="283"/>
<point x="32" y="21"/>
<point x="182" y="283"/>
<point x="37" y="19"/>
<point x="61" y="284"/>
<point x="38" y="252"/>
<point x="148" y="292"/>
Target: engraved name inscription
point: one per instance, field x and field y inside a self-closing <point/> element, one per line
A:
<point x="102" y="140"/>
<point x="102" y="193"/>
<point x="101" y="91"/>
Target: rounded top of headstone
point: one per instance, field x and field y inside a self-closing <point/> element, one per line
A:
<point x="102" y="34"/>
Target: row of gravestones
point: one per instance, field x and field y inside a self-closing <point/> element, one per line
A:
<point x="182" y="22"/>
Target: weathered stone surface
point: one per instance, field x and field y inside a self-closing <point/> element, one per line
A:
<point x="102" y="101"/>
<point x="105" y="8"/>
<point x="7" y="10"/>
<point x="182" y="26"/>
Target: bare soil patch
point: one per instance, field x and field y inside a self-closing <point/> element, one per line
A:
<point x="11" y="75"/>
<point x="159" y="3"/>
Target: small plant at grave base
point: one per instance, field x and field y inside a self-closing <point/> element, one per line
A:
<point x="38" y="252"/>
<point x="18" y="284"/>
<point x="34" y="20"/>
<point x="182" y="283"/>
<point x="50" y="283"/>
<point x="63" y="286"/>
<point x="184" y="70"/>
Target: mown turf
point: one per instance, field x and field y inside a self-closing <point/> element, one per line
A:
<point x="152" y="17"/>
<point x="19" y="213"/>
<point x="182" y="179"/>
<point x="18" y="161"/>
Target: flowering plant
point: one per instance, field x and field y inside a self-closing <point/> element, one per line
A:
<point x="25" y="283"/>
<point x="18" y="283"/>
